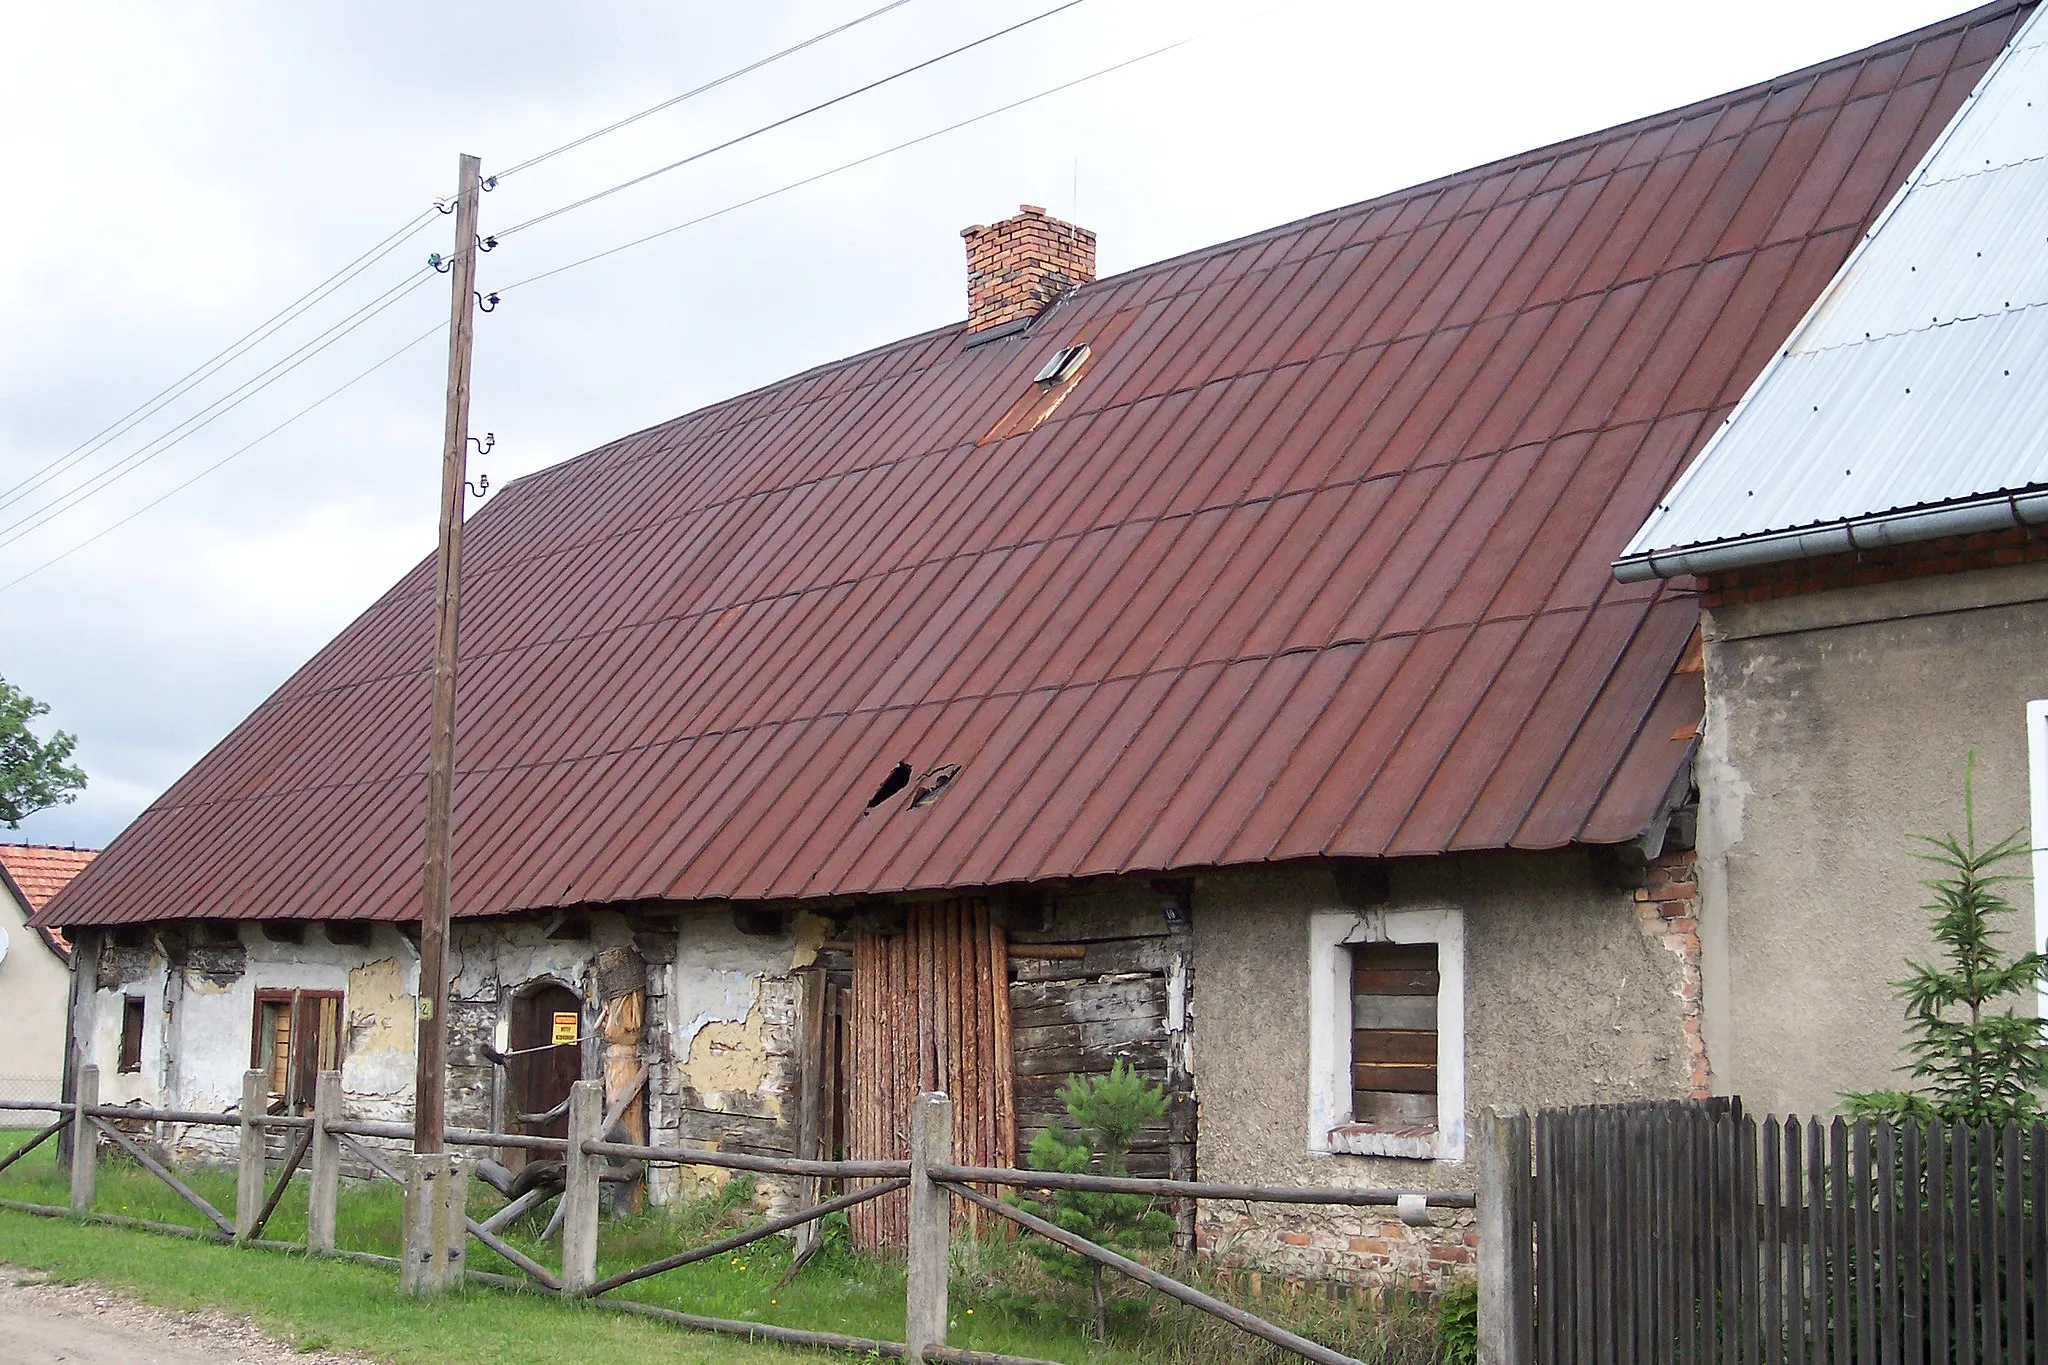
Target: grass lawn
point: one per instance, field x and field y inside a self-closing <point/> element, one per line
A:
<point x="352" y="1306"/>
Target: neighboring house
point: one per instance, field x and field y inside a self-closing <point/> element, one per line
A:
<point x="1216" y="666"/>
<point x="1868" y="536"/>
<point x="35" y="974"/>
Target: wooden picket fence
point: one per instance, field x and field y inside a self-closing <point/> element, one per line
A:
<point x="1695" y="1234"/>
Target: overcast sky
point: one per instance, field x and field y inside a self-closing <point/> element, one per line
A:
<point x="177" y="174"/>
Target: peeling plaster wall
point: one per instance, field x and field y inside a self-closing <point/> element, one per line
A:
<point x="721" y="1022"/>
<point x="733" y="1006"/>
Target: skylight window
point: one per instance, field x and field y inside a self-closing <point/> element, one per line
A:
<point x="1061" y="367"/>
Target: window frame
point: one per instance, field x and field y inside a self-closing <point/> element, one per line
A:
<point x="296" y="1095"/>
<point x="128" y="1061"/>
<point x="1332" y="934"/>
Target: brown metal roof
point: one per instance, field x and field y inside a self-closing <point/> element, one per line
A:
<point x="1312" y="560"/>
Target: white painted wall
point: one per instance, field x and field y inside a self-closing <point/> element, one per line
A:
<point x="35" y="985"/>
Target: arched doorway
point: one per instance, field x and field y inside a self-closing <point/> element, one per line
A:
<point x="547" y="1058"/>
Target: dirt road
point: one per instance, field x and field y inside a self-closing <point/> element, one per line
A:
<point x="42" y="1323"/>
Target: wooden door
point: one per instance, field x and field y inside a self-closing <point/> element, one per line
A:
<point x="930" y="1011"/>
<point x="547" y="1042"/>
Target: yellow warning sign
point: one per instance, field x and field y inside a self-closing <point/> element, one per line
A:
<point x="565" y="1027"/>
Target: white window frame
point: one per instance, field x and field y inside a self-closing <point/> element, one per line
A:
<point x="1332" y="933"/>
<point x="2037" y="773"/>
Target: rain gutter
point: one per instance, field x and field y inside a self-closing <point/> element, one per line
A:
<point x="1883" y="530"/>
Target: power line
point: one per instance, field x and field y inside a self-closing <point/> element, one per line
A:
<point x="236" y="349"/>
<point x="849" y="165"/>
<point x="220" y="407"/>
<point x="238" y="451"/>
<point x="708" y="86"/>
<point x="789" y="119"/>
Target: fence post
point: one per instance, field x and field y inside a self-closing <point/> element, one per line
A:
<point x="436" y="1233"/>
<point x="580" y="1188"/>
<point x="1506" y="1310"/>
<point x="249" y="1153"/>
<point x="324" y="1154"/>
<point x="84" y="1144"/>
<point x="931" y="1223"/>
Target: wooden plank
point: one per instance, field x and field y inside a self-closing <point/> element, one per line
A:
<point x="1074" y="1002"/>
<point x="1086" y="1037"/>
<point x="1817" y="1244"/>
<point x="1542" y="1211"/>
<point x="1938" y="1270"/>
<point x="1794" y="1138"/>
<point x="1583" y="1223"/>
<point x="1389" y="1107"/>
<point x="1393" y="1012"/>
<point x="1911" y="1174"/>
<point x="1670" y="1221"/>
<point x="1109" y="957"/>
<point x="1862" y="1239"/>
<point x="1685" y="1183"/>
<point x="1841" y="1306"/>
<point x="1394" y="981"/>
<point x="1773" y="1161"/>
<point x="1385" y="957"/>
<point x="1886" y="1255"/>
<point x="1642" y="1260"/>
<point x="2012" y="1194"/>
<point x="1749" y="1271"/>
<point x="1393" y="1047"/>
<point x="1962" y="1318"/>
<point x="1412" y="1080"/>
<point x="1984" y="1218"/>
<point x="2037" y="1233"/>
<point x="1061" y="1062"/>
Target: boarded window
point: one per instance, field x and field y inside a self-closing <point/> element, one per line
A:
<point x="131" y="1033"/>
<point x="1393" y="1033"/>
<point x="297" y="1036"/>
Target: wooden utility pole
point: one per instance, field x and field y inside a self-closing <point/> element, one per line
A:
<point x="430" y="1080"/>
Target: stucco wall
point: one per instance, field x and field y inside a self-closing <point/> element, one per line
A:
<point x="1567" y="1000"/>
<point x="35" y="984"/>
<point x="1838" y="723"/>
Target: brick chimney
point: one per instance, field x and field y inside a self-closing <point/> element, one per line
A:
<point x="1018" y="266"/>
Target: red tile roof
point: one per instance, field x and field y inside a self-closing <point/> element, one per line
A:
<point x="1313" y="560"/>
<point x="37" y="872"/>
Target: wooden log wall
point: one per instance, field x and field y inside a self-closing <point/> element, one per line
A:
<point x="930" y="1011"/>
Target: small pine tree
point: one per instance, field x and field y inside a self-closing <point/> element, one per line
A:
<point x="1109" y="1110"/>
<point x="1977" y="1062"/>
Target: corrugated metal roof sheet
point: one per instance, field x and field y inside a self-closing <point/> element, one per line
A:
<point x="1313" y="560"/>
<point x="1921" y="376"/>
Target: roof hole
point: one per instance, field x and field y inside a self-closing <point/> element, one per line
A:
<point x="934" y="782"/>
<point x="896" y="781"/>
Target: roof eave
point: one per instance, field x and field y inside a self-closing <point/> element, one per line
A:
<point x="1881" y="530"/>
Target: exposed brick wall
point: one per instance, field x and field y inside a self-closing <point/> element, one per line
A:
<point x="1341" y="1246"/>
<point x="1668" y="906"/>
<point x="1018" y="266"/>
<point x="1954" y="554"/>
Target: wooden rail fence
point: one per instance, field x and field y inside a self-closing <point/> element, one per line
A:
<point x="931" y="1178"/>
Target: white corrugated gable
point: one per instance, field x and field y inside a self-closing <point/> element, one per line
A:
<point x="1921" y="376"/>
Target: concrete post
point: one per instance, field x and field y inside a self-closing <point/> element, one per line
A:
<point x="84" y="1144"/>
<point x="580" y="1188"/>
<point x="249" y="1153"/>
<point x="324" y="1158"/>
<point x="931" y="1224"/>
<point x="436" y="1233"/>
<point x="1506" y="1286"/>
